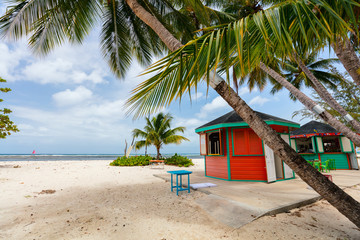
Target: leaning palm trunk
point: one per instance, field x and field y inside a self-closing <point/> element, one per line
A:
<point x="310" y="104"/>
<point x="345" y="52"/>
<point x="331" y="192"/>
<point x="326" y="96"/>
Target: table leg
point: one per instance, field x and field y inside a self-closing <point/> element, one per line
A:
<point x="188" y="183"/>
<point x="177" y="184"/>
<point x="180" y="181"/>
<point x="171" y="182"/>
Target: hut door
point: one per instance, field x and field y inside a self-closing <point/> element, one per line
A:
<point x="288" y="172"/>
<point x="270" y="164"/>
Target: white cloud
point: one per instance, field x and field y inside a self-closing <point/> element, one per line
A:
<point x="215" y="105"/>
<point x="64" y="65"/>
<point x="258" y="100"/>
<point x="60" y="71"/>
<point x="96" y="120"/>
<point x="243" y="90"/>
<point x="10" y="60"/>
<point x="68" y="97"/>
<point x="197" y="95"/>
<point x="189" y="123"/>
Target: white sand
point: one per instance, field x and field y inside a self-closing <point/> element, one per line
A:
<point x="96" y="201"/>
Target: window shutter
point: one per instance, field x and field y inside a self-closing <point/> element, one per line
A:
<point x="313" y="144"/>
<point x="320" y="145"/>
<point x="203" y="141"/>
<point x="221" y="143"/>
<point x="345" y="144"/>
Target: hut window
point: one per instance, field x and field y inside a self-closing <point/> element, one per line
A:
<point x="214" y="143"/>
<point x="331" y="144"/>
<point x="304" y="145"/>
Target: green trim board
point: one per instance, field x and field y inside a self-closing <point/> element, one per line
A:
<point x="218" y="178"/>
<point x="228" y="153"/>
<point x="314" y="145"/>
<point x="248" y="180"/>
<point x="280" y="180"/>
<point x="244" y="124"/>
<point x="205" y="164"/>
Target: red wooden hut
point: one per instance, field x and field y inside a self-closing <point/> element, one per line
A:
<point x="234" y="152"/>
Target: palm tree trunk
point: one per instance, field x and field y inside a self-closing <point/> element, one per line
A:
<point x="166" y="37"/>
<point x="345" y="52"/>
<point x="331" y="192"/>
<point x="325" y="95"/>
<point x="157" y="152"/>
<point x="310" y="104"/>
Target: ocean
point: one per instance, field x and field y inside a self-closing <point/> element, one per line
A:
<point x="75" y="157"/>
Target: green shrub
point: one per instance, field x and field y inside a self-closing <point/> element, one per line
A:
<point x="178" y="160"/>
<point x="131" y="161"/>
<point x="175" y="160"/>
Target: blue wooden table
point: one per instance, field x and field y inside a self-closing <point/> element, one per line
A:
<point x="178" y="185"/>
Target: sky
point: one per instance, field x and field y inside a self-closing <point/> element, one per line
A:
<point x="69" y="102"/>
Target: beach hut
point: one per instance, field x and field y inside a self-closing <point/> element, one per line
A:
<point x="233" y="152"/>
<point x="316" y="140"/>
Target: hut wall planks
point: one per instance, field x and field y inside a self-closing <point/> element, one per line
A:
<point x="250" y="166"/>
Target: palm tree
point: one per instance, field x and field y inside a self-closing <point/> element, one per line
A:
<point x="344" y="50"/>
<point x="325" y="95"/>
<point x="292" y="72"/>
<point x="158" y="132"/>
<point x="52" y="24"/>
<point x="259" y="79"/>
<point x="182" y="69"/>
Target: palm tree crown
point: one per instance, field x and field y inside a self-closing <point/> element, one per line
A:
<point x="158" y="132"/>
<point x="319" y="67"/>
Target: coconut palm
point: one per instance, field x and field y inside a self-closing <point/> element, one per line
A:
<point x="158" y="132"/>
<point x="344" y="50"/>
<point x="183" y="69"/>
<point x="259" y="78"/>
<point x="55" y="23"/>
<point x="291" y="71"/>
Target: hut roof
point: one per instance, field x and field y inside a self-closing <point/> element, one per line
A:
<point x="314" y="127"/>
<point x="233" y="119"/>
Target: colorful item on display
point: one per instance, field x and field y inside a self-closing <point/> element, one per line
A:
<point x="315" y="134"/>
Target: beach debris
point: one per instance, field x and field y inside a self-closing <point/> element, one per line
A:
<point x="297" y="214"/>
<point x="48" y="191"/>
<point x="17" y="166"/>
<point x="22" y="183"/>
<point x="27" y="196"/>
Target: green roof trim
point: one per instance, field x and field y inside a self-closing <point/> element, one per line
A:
<point x="244" y="124"/>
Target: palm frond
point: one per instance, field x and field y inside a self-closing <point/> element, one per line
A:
<point x="273" y="32"/>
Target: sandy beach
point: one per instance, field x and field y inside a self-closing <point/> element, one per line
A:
<point x="92" y="200"/>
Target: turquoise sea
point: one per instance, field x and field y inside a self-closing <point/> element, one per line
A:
<point x="74" y="157"/>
